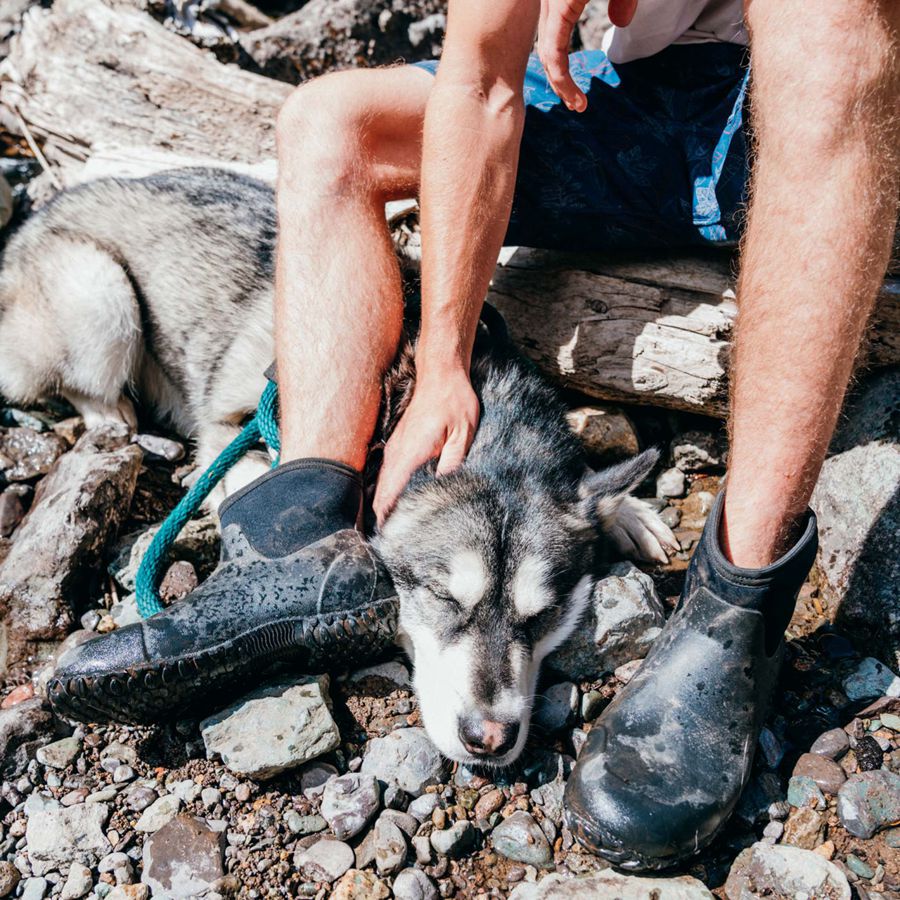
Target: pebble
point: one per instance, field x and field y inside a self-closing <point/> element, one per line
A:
<point x="60" y="754"/>
<point x="521" y="839"/>
<point x="9" y="878"/>
<point x="159" y="813"/>
<point x="34" y="889"/>
<point x="274" y="728"/>
<point x="489" y="803"/>
<point x="414" y="884"/>
<point x="774" y="870"/>
<point x="556" y="706"/>
<point x="184" y="858"/>
<point x="157" y="447"/>
<point x="868" y="802"/>
<point x="304" y="824"/>
<point x="670" y="483"/>
<point x="804" y="828"/>
<point x="139" y="797"/>
<point x="422" y="807"/>
<point x="869" y="754"/>
<point x="406" y="756"/>
<point x="773" y="831"/>
<point x="422" y="847"/>
<point x="871" y="679"/>
<point x="78" y="883"/>
<point x="358" y="885"/>
<point x="408" y="824"/>
<point x="314" y="777"/>
<point x="455" y="841"/>
<point x="210" y="796"/>
<point x="592" y="704"/>
<point x="832" y="744"/>
<point x="803" y="791"/>
<point x="349" y="802"/>
<point x="242" y="792"/>
<point x="123" y="774"/>
<point x="58" y="835"/>
<point x="859" y="866"/>
<point x="326" y="860"/>
<point x="129" y="892"/>
<point x="180" y="579"/>
<point x="390" y="847"/>
<point x="826" y="773"/>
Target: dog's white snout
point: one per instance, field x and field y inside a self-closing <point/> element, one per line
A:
<point x="485" y="737"/>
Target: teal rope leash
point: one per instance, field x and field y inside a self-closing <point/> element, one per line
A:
<point x="264" y="425"/>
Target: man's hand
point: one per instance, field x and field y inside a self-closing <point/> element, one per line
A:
<point x="439" y="423"/>
<point x="558" y="21"/>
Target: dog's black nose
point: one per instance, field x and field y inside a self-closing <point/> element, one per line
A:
<point x="482" y="737"/>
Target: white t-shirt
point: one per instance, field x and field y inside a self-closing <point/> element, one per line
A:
<point x="658" y="23"/>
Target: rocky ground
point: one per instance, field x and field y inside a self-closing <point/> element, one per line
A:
<point x="318" y="787"/>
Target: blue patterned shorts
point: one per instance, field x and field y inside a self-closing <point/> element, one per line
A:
<point x="659" y="159"/>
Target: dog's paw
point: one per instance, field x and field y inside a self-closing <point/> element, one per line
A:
<point x="639" y="532"/>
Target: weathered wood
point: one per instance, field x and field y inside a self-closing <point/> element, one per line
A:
<point x="640" y="330"/>
<point x="85" y="76"/>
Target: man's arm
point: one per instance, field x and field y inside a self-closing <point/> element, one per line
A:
<point x="473" y="126"/>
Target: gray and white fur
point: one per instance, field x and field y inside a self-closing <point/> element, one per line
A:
<point x="160" y="290"/>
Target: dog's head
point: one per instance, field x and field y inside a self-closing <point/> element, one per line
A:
<point x="493" y="573"/>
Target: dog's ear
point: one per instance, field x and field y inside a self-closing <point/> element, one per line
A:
<point x="634" y="527"/>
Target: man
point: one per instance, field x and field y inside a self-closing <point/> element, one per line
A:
<point x="648" y="151"/>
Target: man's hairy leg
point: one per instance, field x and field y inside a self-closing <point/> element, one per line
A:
<point x="346" y="144"/>
<point x="823" y="207"/>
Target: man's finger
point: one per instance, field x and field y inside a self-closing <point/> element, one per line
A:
<point x="621" y="12"/>
<point x="391" y="481"/>
<point x="453" y="454"/>
<point x="555" y="54"/>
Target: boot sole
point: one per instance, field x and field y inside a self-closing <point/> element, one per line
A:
<point x="158" y="691"/>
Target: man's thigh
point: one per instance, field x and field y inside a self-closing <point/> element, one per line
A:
<point x="658" y="159"/>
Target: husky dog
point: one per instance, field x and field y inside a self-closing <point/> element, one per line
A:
<point x="160" y="289"/>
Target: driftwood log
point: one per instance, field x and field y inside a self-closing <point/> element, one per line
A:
<point x="84" y="76"/>
<point x="642" y="331"/>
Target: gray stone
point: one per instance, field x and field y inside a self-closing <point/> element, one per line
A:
<point x="77" y="506"/>
<point x="23" y="728"/>
<point x="697" y="451"/>
<point x="28" y="453"/>
<point x="869" y="801"/>
<point x="422" y="807"/>
<point x="390" y="847"/>
<point x="455" y="841"/>
<point x="60" y="754"/>
<point x="125" y="612"/>
<point x="336" y="34"/>
<point x="871" y="679"/>
<point x="274" y="728"/>
<point x="210" y="796"/>
<point x="159" y="813"/>
<point x="62" y="835"/>
<point x="407" y="757"/>
<point x="392" y="671"/>
<point x="349" y="803"/>
<point x="12" y="511"/>
<point x="314" y="777"/>
<point x="157" y="447"/>
<point x="408" y="824"/>
<point x="859" y="529"/>
<point x="607" y="432"/>
<point x="765" y="870"/>
<point x="414" y="884"/>
<point x="78" y="882"/>
<point x="326" y="860"/>
<point x="183" y="858"/>
<point x="520" y="838"/>
<point x="422" y="847"/>
<point x="832" y="744"/>
<point x="556" y="706"/>
<point x="670" y="483"/>
<point x="610" y="884"/>
<point x="622" y="620"/>
<point x="35" y="889"/>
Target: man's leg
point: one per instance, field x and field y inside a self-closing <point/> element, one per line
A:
<point x="824" y="204"/>
<point x="346" y="144"/>
<point x="297" y="582"/>
<point x="659" y="774"/>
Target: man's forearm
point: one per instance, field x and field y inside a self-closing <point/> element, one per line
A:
<point x="471" y="146"/>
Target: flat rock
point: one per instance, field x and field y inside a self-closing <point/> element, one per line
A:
<point x="350" y="802"/>
<point x="859" y="529"/>
<point x="804" y="792"/>
<point x="390" y="846"/>
<point x="58" y="836"/>
<point x="612" y="885"/>
<point x="34" y="889"/>
<point x="59" y="754"/>
<point x="405" y="756"/>
<point x="159" y="813"/>
<point x="871" y="678"/>
<point x="23" y="729"/>
<point x="274" y="728"/>
<point x="414" y="884"/>
<point x="520" y="838"/>
<point x="326" y="860"/>
<point x="78" y="882"/>
<point x="28" y="453"/>
<point x="183" y="858"/>
<point x="622" y="620"/>
<point x="455" y="841"/>
<point x="76" y="507"/>
<point x="832" y="744"/>
<point x="869" y="801"/>
<point x="774" y="870"/>
<point x="804" y="828"/>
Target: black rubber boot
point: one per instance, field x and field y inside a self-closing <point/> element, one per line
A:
<point x="296" y="583"/>
<point x="664" y="766"/>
